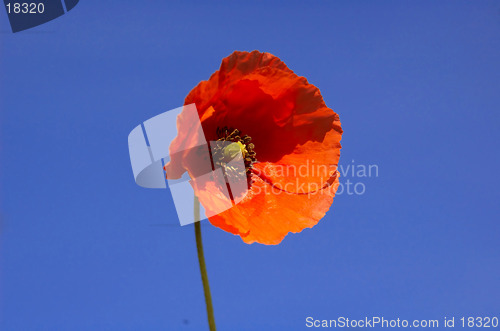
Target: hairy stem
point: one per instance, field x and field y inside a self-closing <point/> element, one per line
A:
<point x="203" y="267"/>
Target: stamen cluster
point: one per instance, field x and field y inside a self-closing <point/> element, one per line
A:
<point x="227" y="152"/>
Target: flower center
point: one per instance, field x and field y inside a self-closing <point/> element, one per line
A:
<point x="234" y="146"/>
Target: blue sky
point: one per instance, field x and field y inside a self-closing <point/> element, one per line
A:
<point x="416" y="87"/>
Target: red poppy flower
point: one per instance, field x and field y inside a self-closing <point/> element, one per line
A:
<point x="289" y="138"/>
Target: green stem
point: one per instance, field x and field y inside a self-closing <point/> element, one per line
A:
<point x="203" y="267"/>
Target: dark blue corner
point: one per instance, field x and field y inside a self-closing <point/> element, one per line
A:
<point x="24" y="14"/>
<point x="70" y="4"/>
